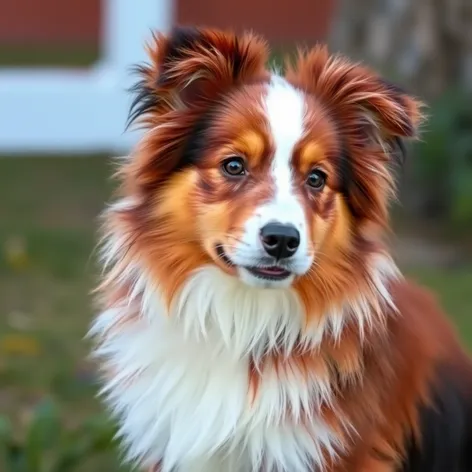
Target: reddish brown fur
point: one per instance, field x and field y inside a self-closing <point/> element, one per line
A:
<point x="380" y="382"/>
<point x="348" y="90"/>
<point x="382" y="375"/>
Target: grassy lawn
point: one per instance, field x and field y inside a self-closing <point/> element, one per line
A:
<point x="48" y="209"/>
<point x="48" y="56"/>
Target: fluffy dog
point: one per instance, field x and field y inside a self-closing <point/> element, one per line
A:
<point x="252" y="317"/>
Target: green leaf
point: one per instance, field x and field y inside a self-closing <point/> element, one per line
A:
<point x="15" y="458"/>
<point x="71" y="456"/>
<point x="12" y="457"/>
<point x="43" y="433"/>
<point x="5" y="440"/>
<point x="5" y="429"/>
<point x="94" y="436"/>
<point x="47" y="424"/>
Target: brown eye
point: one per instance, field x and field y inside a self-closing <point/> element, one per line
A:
<point x="316" y="179"/>
<point x="234" y="166"/>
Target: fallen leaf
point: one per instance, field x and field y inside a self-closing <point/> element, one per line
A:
<point x="15" y="252"/>
<point x="18" y="344"/>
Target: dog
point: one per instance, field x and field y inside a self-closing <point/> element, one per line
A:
<point x="251" y="315"/>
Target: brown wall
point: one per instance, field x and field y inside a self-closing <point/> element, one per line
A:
<point x="279" y="20"/>
<point x="78" y="21"/>
<point x="50" y="21"/>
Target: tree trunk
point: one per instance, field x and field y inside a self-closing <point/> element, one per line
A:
<point x="425" y="44"/>
<point x="426" y="47"/>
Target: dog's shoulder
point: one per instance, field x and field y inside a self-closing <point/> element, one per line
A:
<point x="445" y="426"/>
<point x="443" y="440"/>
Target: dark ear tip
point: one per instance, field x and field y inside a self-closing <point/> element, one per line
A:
<point x="182" y="37"/>
<point x="180" y="40"/>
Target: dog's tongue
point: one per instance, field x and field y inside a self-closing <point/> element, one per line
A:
<point x="271" y="270"/>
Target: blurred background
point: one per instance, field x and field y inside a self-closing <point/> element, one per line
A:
<point x="63" y="74"/>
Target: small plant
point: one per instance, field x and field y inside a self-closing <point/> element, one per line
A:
<point x="443" y="159"/>
<point x="47" y="446"/>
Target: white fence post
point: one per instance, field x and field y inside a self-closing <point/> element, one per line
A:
<point x="80" y="110"/>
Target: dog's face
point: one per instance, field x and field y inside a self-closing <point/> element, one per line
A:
<point x="263" y="187"/>
<point x="268" y="183"/>
<point x="267" y="177"/>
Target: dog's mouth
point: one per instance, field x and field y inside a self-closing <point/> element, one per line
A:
<point x="273" y="272"/>
<point x="220" y="252"/>
<point x="269" y="273"/>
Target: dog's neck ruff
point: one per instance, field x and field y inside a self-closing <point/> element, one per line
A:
<point x="179" y="381"/>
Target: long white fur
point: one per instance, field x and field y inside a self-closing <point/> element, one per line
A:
<point x="180" y="387"/>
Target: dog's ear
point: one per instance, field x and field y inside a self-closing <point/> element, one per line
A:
<point x="189" y="69"/>
<point x="191" y="66"/>
<point x="357" y="93"/>
<point x="373" y="116"/>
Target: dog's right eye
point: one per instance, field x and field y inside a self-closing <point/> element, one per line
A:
<point x="234" y="166"/>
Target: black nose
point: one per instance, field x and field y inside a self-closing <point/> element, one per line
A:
<point x="280" y="240"/>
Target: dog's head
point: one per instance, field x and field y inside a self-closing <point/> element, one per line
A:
<point x="269" y="177"/>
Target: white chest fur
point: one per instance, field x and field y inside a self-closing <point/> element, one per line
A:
<point x="181" y="389"/>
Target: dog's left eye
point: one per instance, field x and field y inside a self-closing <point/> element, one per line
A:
<point x="234" y="166"/>
<point x="316" y="179"/>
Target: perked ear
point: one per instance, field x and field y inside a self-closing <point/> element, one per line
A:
<point x="356" y="91"/>
<point x="190" y="66"/>
<point x="374" y="118"/>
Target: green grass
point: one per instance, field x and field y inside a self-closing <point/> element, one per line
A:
<point x="47" y="235"/>
<point x="48" y="209"/>
<point x="48" y="56"/>
<point x="453" y="288"/>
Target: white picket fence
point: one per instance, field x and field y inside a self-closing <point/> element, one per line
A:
<point x="71" y="111"/>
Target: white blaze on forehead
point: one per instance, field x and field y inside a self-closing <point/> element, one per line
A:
<point x="285" y="108"/>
